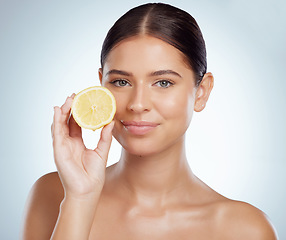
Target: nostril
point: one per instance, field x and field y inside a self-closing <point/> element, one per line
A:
<point x="137" y="108"/>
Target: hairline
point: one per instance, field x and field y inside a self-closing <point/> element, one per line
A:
<point x="146" y="33"/>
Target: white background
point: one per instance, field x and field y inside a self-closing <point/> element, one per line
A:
<point x="50" y="49"/>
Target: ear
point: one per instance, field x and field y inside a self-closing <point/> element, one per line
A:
<point x="203" y="92"/>
<point x="100" y="72"/>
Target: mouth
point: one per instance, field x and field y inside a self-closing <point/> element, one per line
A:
<point x="139" y="127"/>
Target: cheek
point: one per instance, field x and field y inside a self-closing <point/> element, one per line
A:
<point x="121" y="104"/>
<point x="177" y="107"/>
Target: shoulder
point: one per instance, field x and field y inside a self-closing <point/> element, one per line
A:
<point x="47" y="188"/>
<point x="42" y="207"/>
<point x="240" y="220"/>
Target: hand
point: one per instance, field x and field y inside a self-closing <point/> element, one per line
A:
<point x="81" y="170"/>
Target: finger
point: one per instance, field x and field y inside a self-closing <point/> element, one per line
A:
<point x="52" y="126"/>
<point x="66" y="107"/>
<point x="60" y="117"/>
<point x="65" y="110"/>
<point x="56" y="126"/>
<point x="74" y="128"/>
<point x="104" y="143"/>
<point x="52" y="130"/>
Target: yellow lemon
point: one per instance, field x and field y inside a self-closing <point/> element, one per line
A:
<point x="93" y="107"/>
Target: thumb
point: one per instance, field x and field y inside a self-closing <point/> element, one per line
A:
<point x="104" y="142"/>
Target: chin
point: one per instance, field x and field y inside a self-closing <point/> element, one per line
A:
<point x="150" y="144"/>
<point x="140" y="152"/>
<point x="139" y="147"/>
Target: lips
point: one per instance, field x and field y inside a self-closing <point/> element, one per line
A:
<point x="139" y="127"/>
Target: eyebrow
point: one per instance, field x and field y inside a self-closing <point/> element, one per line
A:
<point x="156" y="73"/>
<point x="165" y="72"/>
<point x="119" y="72"/>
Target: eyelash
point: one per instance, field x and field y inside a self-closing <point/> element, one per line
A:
<point x="167" y="81"/>
<point x="117" y="82"/>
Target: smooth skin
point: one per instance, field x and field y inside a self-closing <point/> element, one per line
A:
<point x="151" y="193"/>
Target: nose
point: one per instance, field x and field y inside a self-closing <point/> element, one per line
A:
<point x="139" y="99"/>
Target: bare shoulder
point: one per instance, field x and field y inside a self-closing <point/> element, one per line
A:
<point x="47" y="188"/>
<point x="42" y="207"/>
<point x="240" y="220"/>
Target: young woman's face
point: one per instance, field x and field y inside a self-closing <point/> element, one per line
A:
<point x="154" y="91"/>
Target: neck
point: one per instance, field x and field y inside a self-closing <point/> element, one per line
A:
<point x="155" y="177"/>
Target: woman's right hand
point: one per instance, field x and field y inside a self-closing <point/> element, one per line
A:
<point x="81" y="170"/>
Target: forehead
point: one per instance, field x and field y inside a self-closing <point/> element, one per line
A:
<point x="146" y="53"/>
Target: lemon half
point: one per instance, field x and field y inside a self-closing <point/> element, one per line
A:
<point x="93" y="107"/>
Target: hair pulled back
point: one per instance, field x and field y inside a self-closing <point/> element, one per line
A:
<point x="167" y="23"/>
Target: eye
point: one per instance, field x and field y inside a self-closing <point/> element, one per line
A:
<point x="120" y="83"/>
<point x="164" y="83"/>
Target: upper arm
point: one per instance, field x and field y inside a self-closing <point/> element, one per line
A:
<point x="42" y="208"/>
<point x="244" y="221"/>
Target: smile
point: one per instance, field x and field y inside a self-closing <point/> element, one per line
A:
<point x="139" y="127"/>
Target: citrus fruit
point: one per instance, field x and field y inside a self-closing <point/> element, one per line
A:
<point x="93" y="107"/>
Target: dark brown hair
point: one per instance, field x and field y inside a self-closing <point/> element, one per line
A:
<point x="167" y="23"/>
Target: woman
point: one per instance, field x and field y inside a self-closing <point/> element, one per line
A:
<point x="154" y="62"/>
